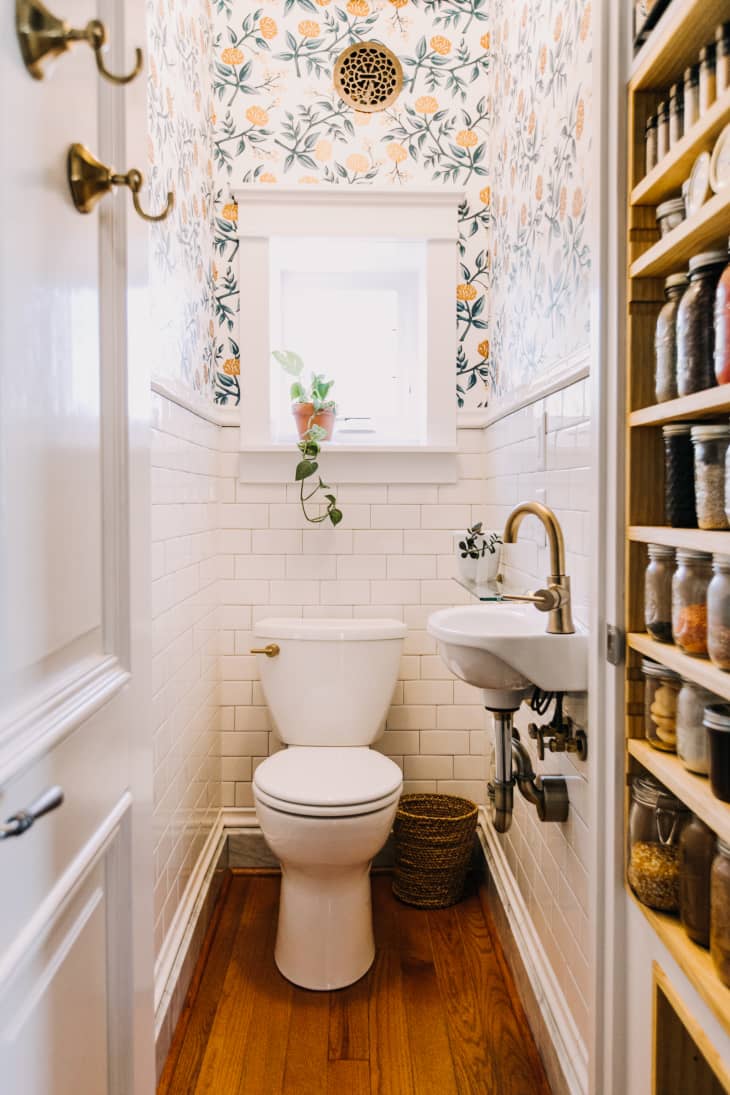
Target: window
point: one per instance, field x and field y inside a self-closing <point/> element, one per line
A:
<point x="359" y="281"/>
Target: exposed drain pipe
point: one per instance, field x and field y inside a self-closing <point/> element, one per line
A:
<point x="512" y="764"/>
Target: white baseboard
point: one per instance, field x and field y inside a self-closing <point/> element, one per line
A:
<point x="569" y="1047"/>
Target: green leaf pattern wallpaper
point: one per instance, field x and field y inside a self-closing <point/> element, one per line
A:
<point x="242" y="93"/>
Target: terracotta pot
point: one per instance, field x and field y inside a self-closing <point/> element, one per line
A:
<point x="303" y="413"/>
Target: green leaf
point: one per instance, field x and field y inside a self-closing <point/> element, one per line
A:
<point x="305" y="468"/>
<point x="297" y="393"/>
<point x="289" y="361"/>
<point x="334" y="515"/>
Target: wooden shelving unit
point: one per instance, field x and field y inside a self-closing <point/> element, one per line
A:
<point x="686" y="26"/>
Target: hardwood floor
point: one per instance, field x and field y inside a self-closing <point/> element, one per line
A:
<point x="436" y="1015"/>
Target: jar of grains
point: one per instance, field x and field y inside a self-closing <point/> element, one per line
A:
<point x="695" y="326"/>
<point x="691" y="96"/>
<point x="658" y="592"/>
<point x="722" y="58"/>
<point x="661" y="691"/>
<point x="665" y="339"/>
<point x="718" y="612"/>
<point x="710" y="449"/>
<point x="679" y="481"/>
<point x="696" y="853"/>
<point x="722" y="328"/>
<point x="689" y="601"/>
<point x="656" y="821"/>
<point x="717" y="723"/>
<point x="720" y="912"/>
<point x="692" y="740"/>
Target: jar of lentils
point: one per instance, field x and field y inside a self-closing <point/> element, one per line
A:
<point x="695" y="327"/>
<point x="710" y="449"/>
<point x="665" y="339"/>
<point x="656" y="821"/>
<point x="689" y="601"/>
<point x="718" y="613"/>
<point x="693" y="747"/>
<point x="679" y="481"/>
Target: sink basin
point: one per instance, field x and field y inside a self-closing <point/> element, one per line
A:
<point x="504" y="649"/>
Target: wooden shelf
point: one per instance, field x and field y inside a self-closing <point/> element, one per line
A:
<point x="692" y="959"/>
<point x="693" y="790"/>
<point x="665" y="181"/>
<point x="710" y="402"/>
<point x="707" y="229"/>
<point x="675" y="42"/>
<point x="693" y="539"/>
<point x="699" y="670"/>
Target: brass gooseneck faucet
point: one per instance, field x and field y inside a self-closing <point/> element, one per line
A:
<point x="555" y="598"/>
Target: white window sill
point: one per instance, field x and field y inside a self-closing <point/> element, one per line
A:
<point x="354" y="463"/>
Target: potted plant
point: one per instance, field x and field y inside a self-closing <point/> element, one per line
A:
<point x="310" y="405"/>
<point x="314" y="415"/>
<point x="479" y="554"/>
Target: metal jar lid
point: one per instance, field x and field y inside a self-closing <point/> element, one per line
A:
<point x="715" y="432"/>
<point x="707" y="258"/>
<point x="723" y="847"/>
<point x="689" y="555"/>
<point x="674" y="205"/>
<point x="654" y="669"/>
<point x="677" y="281"/>
<point x="676" y="429"/>
<point x="721" y="562"/>
<point x="717" y="717"/>
<point x="649" y="792"/>
<point x="660" y="551"/>
<point x="692" y="75"/>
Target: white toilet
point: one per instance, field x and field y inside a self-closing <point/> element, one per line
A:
<point x="326" y="803"/>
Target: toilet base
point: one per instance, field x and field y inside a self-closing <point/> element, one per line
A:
<point x="324" y="938"/>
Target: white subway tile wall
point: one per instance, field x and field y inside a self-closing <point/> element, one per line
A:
<point x="550" y="862"/>
<point x="186" y="744"/>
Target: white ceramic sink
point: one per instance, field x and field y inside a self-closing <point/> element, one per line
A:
<point x="504" y="649"/>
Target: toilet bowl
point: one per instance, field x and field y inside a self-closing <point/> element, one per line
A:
<point x="327" y="802"/>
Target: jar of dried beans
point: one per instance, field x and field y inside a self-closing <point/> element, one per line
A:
<point x="695" y="324"/>
<point x="656" y="821"/>
<point x="692" y="740"/>
<point x="665" y="339"/>
<point x="679" y="481"/>
<point x="718" y="612"/>
<point x="710" y="449"/>
<point x="720" y="912"/>
<point x="661" y="689"/>
<point x="658" y="592"/>
<point x="689" y="601"/>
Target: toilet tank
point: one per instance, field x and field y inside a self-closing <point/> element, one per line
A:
<point x="332" y="681"/>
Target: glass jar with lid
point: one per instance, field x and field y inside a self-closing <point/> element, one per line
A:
<point x="692" y="741"/>
<point x="720" y="912"/>
<point x="710" y="450"/>
<point x="696" y="853"/>
<point x="651" y="143"/>
<point x="722" y="328"/>
<point x="695" y="326"/>
<point x="717" y="724"/>
<point x="689" y="601"/>
<point x="679" y="478"/>
<point x="656" y="821"/>
<point x="691" y="96"/>
<point x="661" y="691"/>
<point x="722" y="58"/>
<point x="676" y="114"/>
<point x="665" y="339"/>
<point x="708" y="80"/>
<point x="662" y="130"/>
<point x="658" y="592"/>
<point x="718" y="613"/>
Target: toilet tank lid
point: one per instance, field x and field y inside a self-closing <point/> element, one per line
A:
<point x="330" y="630"/>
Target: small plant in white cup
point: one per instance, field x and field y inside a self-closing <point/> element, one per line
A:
<point x="479" y="554"/>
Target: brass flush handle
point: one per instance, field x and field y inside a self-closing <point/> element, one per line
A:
<point x="90" y="180"/>
<point x="270" y="651"/>
<point x="43" y="36"/>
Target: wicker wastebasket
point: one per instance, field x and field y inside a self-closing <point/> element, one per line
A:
<point x="434" y="837"/>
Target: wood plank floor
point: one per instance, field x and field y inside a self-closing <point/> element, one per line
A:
<point x="436" y="1015"/>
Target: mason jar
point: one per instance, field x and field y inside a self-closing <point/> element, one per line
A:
<point x="656" y="821"/>
<point x="718" y="613"/>
<point x="679" y="480"/>
<point x="661" y="692"/>
<point x="658" y="592"/>
<point x="695" y="326"/>
<point x="689" y="601"/>
<point x="717" y="724"/>
<point x="696" y="853"/>
<point x="692" y="740"/>
<point x="665" y="339"/>
<point x="710" y="450"/>
<point x="720" y="912"/>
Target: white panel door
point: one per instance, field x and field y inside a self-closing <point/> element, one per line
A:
<point x="75" y="911"/>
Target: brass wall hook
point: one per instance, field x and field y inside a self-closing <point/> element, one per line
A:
<point x="90" y="180"/>
<point x="43" y="37"/>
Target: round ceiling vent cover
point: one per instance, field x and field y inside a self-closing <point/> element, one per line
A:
<point x="368" y="76"/>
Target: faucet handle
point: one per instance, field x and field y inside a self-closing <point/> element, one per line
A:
<point x="545" y="600"/>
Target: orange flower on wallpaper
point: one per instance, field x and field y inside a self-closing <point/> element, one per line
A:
<point x="485" y="41"/>
<point x="467" y="138"/>
<point x="521" y="101"/>
<point x="232" y="366"/>
<point x="398" y="3"/>
<point x="232" y="56"/>
<point x="426" y="105"/>
<point x="322" y="3"/>
<point x="309" y="28"/>
<point x="257" y="115"/>
<point x="483" y="348"/>
<point x="585" y="22"/>
<point x="397" y="153"/>
<point x="440" y="45"/>
<point x="523" y="215"/>
<point x="531" y="123"/>
<point x="358" y="7"/>
<point x="230" y="212"/>
<point x="542" y="63"/>
<point x="485" y="195"/>
<point x="577" y="202"/>
<point x="267" y="177"/>
<point x="268" y="28"/>
<point x="170" y="102"/>
<point x="580" y="119"/>
<point x="558" y="28"/>
<point x="323" y="150"/>
<point x="357" y="163"/>
<point x="308" y="179"/>
<point x="538" y="188"/>
<point x="563" y="202"/>
<point x="466" y="292"/>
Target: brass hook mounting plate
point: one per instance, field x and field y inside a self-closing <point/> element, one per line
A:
<point x="90" y="180"/>
<point x="42" y="37"/>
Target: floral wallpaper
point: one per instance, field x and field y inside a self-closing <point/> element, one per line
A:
<point x="540" y="141"/>
<point x="496" y="99"/>
<point x="279" y="119"/>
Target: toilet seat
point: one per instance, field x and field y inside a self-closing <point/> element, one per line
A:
<point x="327" y="782"/>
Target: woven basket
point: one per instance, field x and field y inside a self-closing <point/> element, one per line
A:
<point x="434" y="837"/>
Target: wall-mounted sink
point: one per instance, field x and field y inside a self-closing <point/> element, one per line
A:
<point x="504" y="650"/>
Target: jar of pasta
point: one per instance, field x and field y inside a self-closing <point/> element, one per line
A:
<point x="689" y="601"/>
